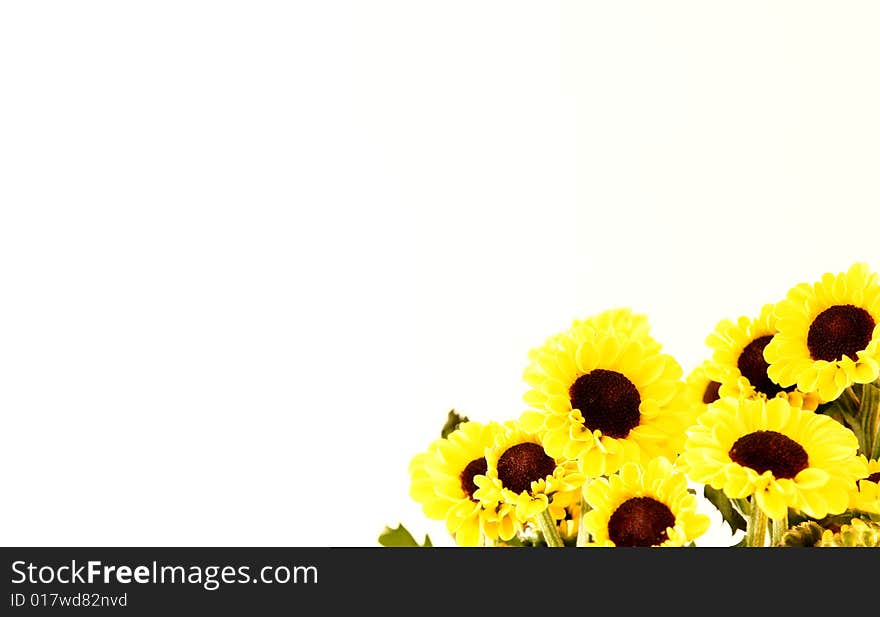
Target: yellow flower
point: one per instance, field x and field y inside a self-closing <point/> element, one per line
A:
<point x="829" y="334"/>
<point x="643" y="506"/>
<point x="565" y="508"/>
<point x="858" y="533"/>
<point x="442" y="481"/>
<point x="624" y="322"/>
<point x="522" y="474"/>
<point x="784" y="456"/>
<point x="603" y="398"/>
<point x="867" y="497"/>
<point x="738" y="358"/>
<point x="701" y="386"/>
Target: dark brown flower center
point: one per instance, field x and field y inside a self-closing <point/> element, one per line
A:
<point x="476" y="467"/>
<point x="874" y="477"/>
<point x="769" y="451"/>
<point x="522" y="464"/>
<point x="839" y="331"/>
<point x="710" y="394"/>
<point x="608" y="401"/>
<point x="640" y="521"/>
<point x="753" y="366"/>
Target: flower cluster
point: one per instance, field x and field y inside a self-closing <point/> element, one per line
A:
<point x="779" y="427"/>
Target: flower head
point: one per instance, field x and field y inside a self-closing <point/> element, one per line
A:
<point x="858" y="533"/>
<point x="829" y="334"/>
<point x="643" y="506"/>
<point x="867" y="496"/>
<point x="701" y="387"/>
<point x="522" y="474"/>
<point x="784" y="456"/>
<point x="605" y="397"/>
<point x="803" y="534"/>
<point x="442" y="481"/>
<point x="738" y="359"/>
<point x="624" y="322"/>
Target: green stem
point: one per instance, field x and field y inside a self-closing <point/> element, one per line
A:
<point x="583" y="536"/>
<point x="778" y="527"/>
<point x="756" y="525"/>
<point x="548" y="529"/>
<point x="742" y="506"/>
<point x="870" y="421"/>
<point x="853" y="398"/>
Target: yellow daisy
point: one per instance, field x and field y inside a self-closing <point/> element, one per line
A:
<point x="604" y="398"/>
<point x="702" y="386"/>
<point x="442" y="481"/>
<point x="784" y="456"/>
<point x="619" y="320"/>
<point x="829" y="334"/>
<point x="643" y="506"/>
<point x="738" y="356"/>
<point x="565" y="508"/>
<point x="867" y="497"/>
<point x="858" y="533"/>
<point x="522" y="474"/>
<point x="624" y="322"/>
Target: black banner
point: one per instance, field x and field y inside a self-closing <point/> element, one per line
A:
<point x="267" y="581"/>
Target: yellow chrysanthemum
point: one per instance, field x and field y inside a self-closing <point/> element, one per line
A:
<point x="565" y="508"/>
<point x="738" y="358"/>
<point x="643" y="506"/>
<point x="622" y="321"/>
<point x="701" y="386"/>
<point x="829" y="334"/>
<point x="605" y="398"/>
<point x="522" y="474"/>
<point x="618" y="320"/>
<point x="867" y="497"/>
<point x="442" y="481"/>
<point x="858" y="533"/>
<point x="784" y="456"/>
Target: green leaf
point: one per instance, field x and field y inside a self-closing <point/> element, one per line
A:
<point x="796" y="517"/>
<point x="452" y="422"/>
<point x="838" y="410"/>
<point x="823" y="408"/>
<point x="720" y="501"/>
<point x="401" y="537"/>
<point x="515" y="541"/>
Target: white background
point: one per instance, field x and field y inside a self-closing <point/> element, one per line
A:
<point x="251" y="253"/>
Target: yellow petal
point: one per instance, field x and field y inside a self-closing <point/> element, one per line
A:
<point x="811" y="478"/>
<point x="469" y="532"/>
<point x="865" y="372"/>
<point x="771" y="501"/>
<point x="532" y="421"/>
